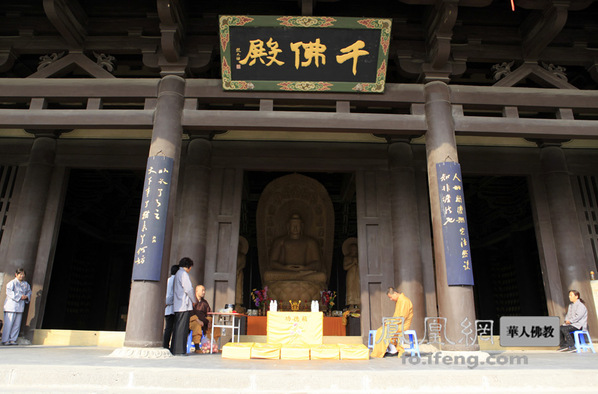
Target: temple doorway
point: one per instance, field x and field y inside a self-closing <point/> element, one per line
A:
<point x="507" y="272"/>
<point x="91" y="275"/>
<point x="341" y="189"/>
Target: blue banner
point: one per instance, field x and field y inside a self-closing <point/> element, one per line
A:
<point x="152" y="219"/>
<point x="454" y="224"/>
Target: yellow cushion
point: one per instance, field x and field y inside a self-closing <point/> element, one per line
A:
<point x="237" y="350"/>
<point x="325" y="352"/>
<point x="294" y="352"/>
<point x="269" y="351"/>
<point x="354" y="352"/>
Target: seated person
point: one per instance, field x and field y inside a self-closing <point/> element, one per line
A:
<point x="295" y="256"/>
<point x="404" y="309"/>
<point x="575" y="319"/>
<point x="200" y="323"/>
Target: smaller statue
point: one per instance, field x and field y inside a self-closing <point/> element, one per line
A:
<point x="241" y="261"/>
<point x="351" y="265"/>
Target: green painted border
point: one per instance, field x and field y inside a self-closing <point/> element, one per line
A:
<point x="384" y="25"/>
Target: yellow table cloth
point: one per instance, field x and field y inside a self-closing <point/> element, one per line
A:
<point x="354" y="352"/>
<point x="237" y="350"/>
<point x="298" y="328"/>
<point x="269" y="351"/>
<point x="294" y="352"/>
<point x="325" y="352"/>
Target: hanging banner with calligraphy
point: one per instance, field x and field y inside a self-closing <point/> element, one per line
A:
<point x="454" y="224"/>
<point x="304" y="53"/>
<point x="152" y="219"/>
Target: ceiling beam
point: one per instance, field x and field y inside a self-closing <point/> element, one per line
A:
<point x="172" y="28"/>
<point x="540" y="29"/>
<point x="68" y="63"/>
<point x="439" y="31"/>
<point x="304" y="121"/>
<point x="69" y="19"/>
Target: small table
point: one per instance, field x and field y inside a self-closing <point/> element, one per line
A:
<point x="226" y="320"/>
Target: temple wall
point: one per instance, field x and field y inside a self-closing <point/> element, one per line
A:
<point x="280" y="156"/>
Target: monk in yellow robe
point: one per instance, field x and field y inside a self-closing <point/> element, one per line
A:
<point x="404" y="309"/>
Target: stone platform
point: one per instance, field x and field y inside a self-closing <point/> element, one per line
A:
<point x="68" y="369"/>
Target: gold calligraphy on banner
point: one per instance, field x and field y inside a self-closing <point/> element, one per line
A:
<point x="454" y="224"/>
<point x="152" y="219"/>
<point x="306" y="53"/>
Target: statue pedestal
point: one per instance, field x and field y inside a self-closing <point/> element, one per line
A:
<point x="285" y="290"/>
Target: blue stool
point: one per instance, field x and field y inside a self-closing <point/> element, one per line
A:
<point x="371" y="338"/>
<point x="190" y="347"/>
<point x="580" y="341"/>
<point x="411" y="337"/>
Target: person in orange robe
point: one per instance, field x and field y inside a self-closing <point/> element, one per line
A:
<point x="404" y="309"/>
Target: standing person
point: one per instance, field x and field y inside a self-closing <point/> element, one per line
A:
<point x="184" y="298"/>
<point x="169" y="310"/>
<point x="404" y="309"/>
<point x="575" y="319"/>
<point x="18" y="293"/>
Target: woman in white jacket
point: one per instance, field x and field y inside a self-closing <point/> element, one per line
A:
<point x="18" y="293"/>
<point x="169" y="309"/>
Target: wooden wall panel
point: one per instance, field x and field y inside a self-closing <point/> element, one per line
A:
<point x="375" y="247"/>
<point x="223" y="236"/>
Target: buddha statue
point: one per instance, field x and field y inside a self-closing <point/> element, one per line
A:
<point x="295" y="256"/>
<point x="295" y="234"/>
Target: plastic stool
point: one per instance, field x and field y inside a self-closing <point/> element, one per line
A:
<point x="371" y="338"/>
<point x="411" y="336"/>
<point x="190" y="346"/>
<point x="580" y="341"/>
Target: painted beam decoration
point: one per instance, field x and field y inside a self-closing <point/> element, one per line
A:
<point x="304" y="53"/>
<point x="149" y="248"/>
<point x="454" y="224"/>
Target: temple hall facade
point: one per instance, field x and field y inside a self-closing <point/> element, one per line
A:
<point x="91" y="94"/>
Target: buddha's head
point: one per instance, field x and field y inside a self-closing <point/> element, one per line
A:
<point x="295" y="226"/>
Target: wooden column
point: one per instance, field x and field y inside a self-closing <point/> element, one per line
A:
<point x="455" y="303"/>
<point x="192" y="230"/>
<point x="146" y="305"/>
<point x="30" y="210"/>
<point x="408" y="270"/>
<point x="566" y="231"/>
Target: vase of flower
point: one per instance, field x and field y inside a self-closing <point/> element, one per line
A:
<point x="260" y="299"/>
<point x="327" y="299"/>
